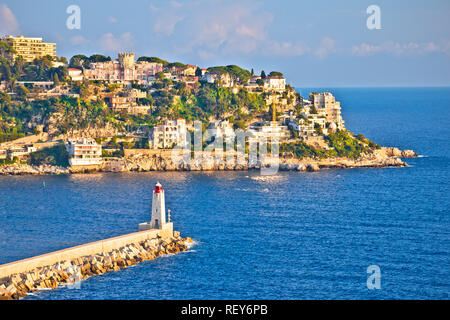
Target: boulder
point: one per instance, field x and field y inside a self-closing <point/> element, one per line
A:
<point x="312" y="167"/>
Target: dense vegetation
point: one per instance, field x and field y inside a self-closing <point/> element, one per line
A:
<point x="234" y="71"/>
<point x="342" y="144"/>
<point x="166" y="98"/>
<point x="55" y="156"/>
<point x="201" y="103"/>
<point x="19" y="118"/>
<point x="345" y="145"/>
<point x="82" y="61"/>
<point x="300" y="150"/>
<point x="154" y="59"/>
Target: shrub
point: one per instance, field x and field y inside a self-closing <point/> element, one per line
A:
<point x="55" y="156"/>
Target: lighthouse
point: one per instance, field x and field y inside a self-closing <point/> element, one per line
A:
<point x="158" y="216"/>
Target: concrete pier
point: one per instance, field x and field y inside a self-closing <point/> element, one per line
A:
<point x="155" y="238"/>
<point x="87" y="249"/>
<point x="80" y="262"/>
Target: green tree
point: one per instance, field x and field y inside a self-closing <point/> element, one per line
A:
<point x="56" y="80"/>
<point x="99" y="58"/>
<point x="22" y="92"/>
<point x="275" y="74"/>
<point x="160" y="76"/>
<point x="78" y="61"/>
<point x="153" y="59"/>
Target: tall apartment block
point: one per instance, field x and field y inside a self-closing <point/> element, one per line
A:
<point x="30" y="48"/>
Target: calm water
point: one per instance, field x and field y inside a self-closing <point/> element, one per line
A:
<point x="288" y="236"/>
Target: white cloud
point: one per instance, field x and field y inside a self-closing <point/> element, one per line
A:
<point x="210" y="28"/>
<point x="175" y="4"/>
<point x="216" y="28"/>
<point x="79" y="40"/>
<point x="287" y="48"/>
<point x="327" y="46"/>
<point x="400" y="49"/>
<point x="165" y="24"/>
<point x="109" y="42"/>
<point x="8" y="21"/>
<point x="365" y="49"/>
<point x="112" y="20"/>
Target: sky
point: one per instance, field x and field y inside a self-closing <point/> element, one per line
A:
<point x="314" y="43"/>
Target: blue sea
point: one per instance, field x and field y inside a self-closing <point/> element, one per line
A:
<point x="294" y="235"/>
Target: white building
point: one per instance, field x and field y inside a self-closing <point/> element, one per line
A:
<point x="222" y="129"/>
<point x="84" y="152"/>
<point x="169" y="134"/>
<point x="270" y="130"/>
<point x="275" y="83"/>
<point x="305" y="127"/>
<point x="326" y="105"/>
<point x="20" y="150"/>
<point x="75" y="74"/>
<point x="209" y="77"/>
<point x="222" y="79"/>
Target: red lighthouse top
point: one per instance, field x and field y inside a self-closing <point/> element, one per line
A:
<point x="158" y="188"/>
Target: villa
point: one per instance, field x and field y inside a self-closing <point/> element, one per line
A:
<point x="84" y="152"/>
<point x="168" y="134"/>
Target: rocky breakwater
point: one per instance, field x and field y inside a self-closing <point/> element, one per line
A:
<point x="26" y="169"/>
<point x="71" y="272"/>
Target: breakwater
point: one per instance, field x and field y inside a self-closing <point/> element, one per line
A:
<point x="68" y="266"/>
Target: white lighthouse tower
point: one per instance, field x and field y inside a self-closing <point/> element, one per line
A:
<point x="158" y="216"/>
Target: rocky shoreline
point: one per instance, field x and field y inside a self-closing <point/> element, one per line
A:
<point x="71" y="272"/>
<point x="384" y="157"/>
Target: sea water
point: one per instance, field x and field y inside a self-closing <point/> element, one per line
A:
<point x="293" y="235"/>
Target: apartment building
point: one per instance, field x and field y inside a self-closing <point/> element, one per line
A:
<point x="84" y="152"/>
<point x="169" y="134"/>
<point x="30" y="48"/>
<point x="326" y="105"/>
<point x="222" y="129"/>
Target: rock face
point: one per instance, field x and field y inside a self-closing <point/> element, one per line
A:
<point x="154" y="161"/>
<point x="107" y="130"/>
<point x="395" y="152"/>
<point x="72" y="272"/>
<point x="384" y="157"/>
<point x="23" y="169"/>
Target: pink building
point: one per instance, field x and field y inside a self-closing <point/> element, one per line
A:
<point x="124" y="69"/>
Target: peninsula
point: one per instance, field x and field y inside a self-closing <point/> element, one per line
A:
<point x="99" y="114"/>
